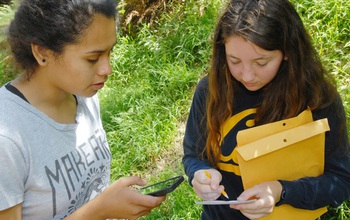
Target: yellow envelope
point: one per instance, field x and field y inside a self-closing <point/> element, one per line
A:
<point x="287" y="150"/>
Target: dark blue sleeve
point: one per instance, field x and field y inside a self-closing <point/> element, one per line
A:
<point x="195" y="134"/>
<point x="333" y="187"/>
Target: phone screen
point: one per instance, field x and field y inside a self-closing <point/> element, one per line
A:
<point x="162" y="188"/>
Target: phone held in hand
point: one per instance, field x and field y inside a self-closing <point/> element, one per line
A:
<point x="162" y="188"/>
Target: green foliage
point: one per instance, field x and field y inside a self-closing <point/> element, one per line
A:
<point x="7" y="71"/>
<point x="6" y="14"/>
<point x="328" y="23"/>
<point x="148" y="97"/>
<point x="152" y="86"/>
<point x="149" y="92"/>
<point x="146" y="101"/>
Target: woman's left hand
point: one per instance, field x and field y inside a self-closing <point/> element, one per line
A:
<point x="267" y="195"/>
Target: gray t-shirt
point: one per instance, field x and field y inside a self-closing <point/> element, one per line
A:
<point x="51" y="168"/>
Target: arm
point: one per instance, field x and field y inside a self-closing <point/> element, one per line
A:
<point x="13" y="213"/>
<point x="194" y="142"/>
<point x="118" y="201"/>
<point x="333" y="187"/>
<point x="12" y="177"/>
<point x="330" y="188"/>
<point x="195" y="138"/>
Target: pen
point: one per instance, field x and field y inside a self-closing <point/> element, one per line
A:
<point x="223" y="191"/>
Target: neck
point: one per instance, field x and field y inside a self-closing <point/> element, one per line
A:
<point x="55" y="103"/>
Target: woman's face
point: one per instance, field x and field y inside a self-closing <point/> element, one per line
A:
<point x="251" y="65"/>
<point x="83" y="68"/>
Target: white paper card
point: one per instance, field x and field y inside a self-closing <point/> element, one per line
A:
<point x="221" y="202"/>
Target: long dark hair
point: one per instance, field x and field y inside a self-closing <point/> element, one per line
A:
<point x="52" y="24"/>
<point x="301" y="81"/>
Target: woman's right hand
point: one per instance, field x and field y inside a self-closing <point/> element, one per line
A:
<point x="207" y="187"/>
<point x="119" y="201"/>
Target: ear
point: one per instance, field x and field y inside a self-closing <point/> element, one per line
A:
<point x="40" y="53"/>
<point x="285" y="58"/>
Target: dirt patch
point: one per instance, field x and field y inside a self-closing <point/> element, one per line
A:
<point x="171" y="158"/>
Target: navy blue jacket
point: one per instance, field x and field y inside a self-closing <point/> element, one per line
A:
<point x="331" y="188"/>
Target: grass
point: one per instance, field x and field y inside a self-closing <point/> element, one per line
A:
<point x="7" y="71"/>
<point x="154" y="77"/>
<point x="329" y="25"/>
<point x="146" y="101"/>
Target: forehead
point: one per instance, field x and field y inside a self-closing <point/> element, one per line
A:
<point x="237" y="46"/>
<point x="100" y="35"/>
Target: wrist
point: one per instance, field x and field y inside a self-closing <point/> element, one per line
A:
<point x="282" y="195"/>
<point x="89" y="211"/>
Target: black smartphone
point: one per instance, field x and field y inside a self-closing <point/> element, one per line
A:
<point x="162" y="188"/>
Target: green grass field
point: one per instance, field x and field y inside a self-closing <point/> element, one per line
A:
<point x="146" y="101"/>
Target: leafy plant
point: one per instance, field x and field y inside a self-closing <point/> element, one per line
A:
<point x="7" y="70"/>
<point x="146" y="101"/>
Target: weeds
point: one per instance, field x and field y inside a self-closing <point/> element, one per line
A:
<point x="146" y="101"/>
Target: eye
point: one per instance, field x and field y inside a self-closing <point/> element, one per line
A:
<point x="261" y="63"/>
<point x="234" y="62"/>
<point x="92" y="61"/>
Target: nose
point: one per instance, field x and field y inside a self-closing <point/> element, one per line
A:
<point x="247" y="73"/>
<point x="105" y="68"/>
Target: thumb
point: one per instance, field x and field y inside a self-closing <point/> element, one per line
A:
<point x="246" y="195"/>
<point x="215" y="180"/>
<point x="133" y="180"/>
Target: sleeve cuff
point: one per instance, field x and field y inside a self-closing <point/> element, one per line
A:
<point x="283" y="194"/>
<point x="293" y="193"/>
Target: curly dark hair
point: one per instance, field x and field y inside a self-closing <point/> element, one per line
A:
<point x="52" y="24"/>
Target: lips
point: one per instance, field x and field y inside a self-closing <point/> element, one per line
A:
<point x="249" y="84"/>
<point x="252" y="86"/>
<point x="98" y="86"/>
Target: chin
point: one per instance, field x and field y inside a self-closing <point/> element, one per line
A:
<point x="87" y="94"/>
<point x="253" y="88"/>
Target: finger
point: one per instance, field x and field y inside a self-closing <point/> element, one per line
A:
<point x="248" y="194"/>
<point x="256" y="205"/>
<point x="251" y="210"/>
<point x="142" y="213"/>
<point x="149" y="201"/>
<point x="211" y="196"/>
<point x="207" y="194"/>
<point x="201" y="178"/>
<point x="215" y="177"/>
<point x="203" y="188"/>
<point x="246" y="207"/>
<point x="255" y="214"/>
<point x="138" y="212"/>
<point x="129" y="181"/>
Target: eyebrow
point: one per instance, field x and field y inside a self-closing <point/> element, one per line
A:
<point x="263" y="57"/>
<point x="101" y="51"/>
